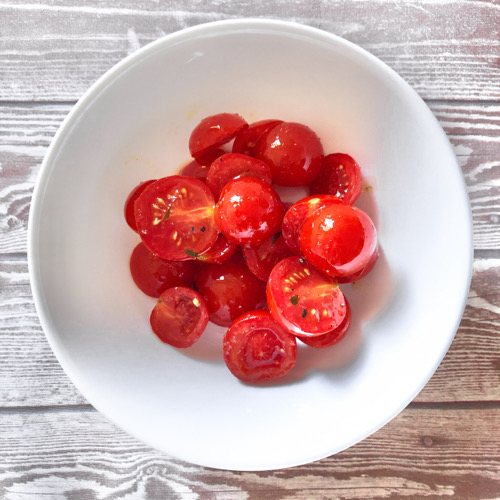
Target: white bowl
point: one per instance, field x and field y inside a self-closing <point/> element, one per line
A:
<point x="133" y="125"/>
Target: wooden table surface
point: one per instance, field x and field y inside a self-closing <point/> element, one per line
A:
<point x="53" y="444"/>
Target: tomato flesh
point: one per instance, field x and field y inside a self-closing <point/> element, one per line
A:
<point x="199" y="167"/>
<point x="340" y="176"/>
<point x="175" y="217"/>
<point x="296" y="215"/>
<point x="154" y="275"/>
<point x="213" y="131"/>
<point x="339" y="240"/>
<point x="230" y="289"/>
<point x="294" y="153"/>
<point x="244" y="143"/>
<point x="304" y="301"/>
<point x="179" y="317"/>
<point x="332" y="337"/>
<point x="256" y="348"/>
<point x="233" y="166"/>
<point x="248" y="211"/>
<point x="130" y="202"/>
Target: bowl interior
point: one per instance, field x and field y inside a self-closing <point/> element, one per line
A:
<point x="134" y="125"/>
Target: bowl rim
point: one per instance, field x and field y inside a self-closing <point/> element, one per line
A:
<point x="240" y="24"/>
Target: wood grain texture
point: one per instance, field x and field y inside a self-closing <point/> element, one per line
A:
<point x="444" y="50"/>
<point x="26" y="131"/>
<point x="77" y="454"/>
<point x="31" y="375"/>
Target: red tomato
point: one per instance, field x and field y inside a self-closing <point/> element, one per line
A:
<point x="304" y="301"/>
<point x="198" y="167"/>
<point x="246" y="140"/>
<point x="213" y="131"/>
<point x="129" y="203"/>
<point x="339" y="240"/>
<point x="230" y="290"/>
<point x="233" y="166"/>
<point x="262" y="258"/>
<point x="332" y="337"/>
<point x="175" y="217"/>
<point x="294" y="153"/>
<point x="221" y="251"/>
<point x="298" y="213"/>
<point x="340" y="176"/>
<point x="256" y="348"/>
<point x="248" y="211"/>
<point x="153" y="275"/>
<point x="361" y="274"/>
<point x="179" y="317"/>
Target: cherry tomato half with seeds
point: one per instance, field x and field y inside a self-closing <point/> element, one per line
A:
<point x="304" y="301"/>
<point x="340" y="176"/>
<point x="213" y="131"/>
<point x="339" y="240"/>
<point x="175" y="217"/>
<point x="153" y="275"/>
<point x="293" y="151"/>
<point x="296" y="215"/>
<point x="199" y="167"/>
<point x="221" y="251"/>
<point x="233" y="166"/>
<point x="130" y="202"/>
<point x="256" y="348"/>
<point x="244" y="143"/>
<point x="248" y="211"/>
<point x="230" y="289"/>
<point x="179" y="317"/>
<point x="332" y="337"/>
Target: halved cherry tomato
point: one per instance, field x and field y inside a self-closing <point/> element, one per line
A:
<point x="339" y="240"/>
<point x="130" y="201"/>
<point x="340" y="176"/>
<point x="175" y="217"/>
<point x="244" y="143"/>
<point x="179" y="317"/>
<point x="262" y="258"/>
<point x="198" y="167"/>
<point x="248" y="211"/>
<point x="221" y="251"/>
<point x="333" y="336"/>
<point x="213" y="131"/>
<point x="294" y="153"/>
<point x="230" y="289"/>
<point x="297" y="214"/>
<point x="304" y="301"/>
<point x="233" y="166"/>
<point x="256" y="348"/>
<point x="153" y="275"/>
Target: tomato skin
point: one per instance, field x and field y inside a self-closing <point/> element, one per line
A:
<point x="174" y="217"/>
<point x="262" y="258"/>
<point x="213" y="131"/>
<point x="248" y="211"/>
<point x="221" y="251"/>
<point x="302" y="300"/>
<point x="339" y="240"/>
<point x="198" y="168"/>
<point x="294" y="153"/>
<point x="233" y="166"/>
<point x="296" y="215"/>
<point x="179" y="317"/>
<point x="332" y="337"/>
<point x="130" y="202"/>
<point x="230" y="289"/>
<point x="153" y="275"/>
<point x="256" y="348"/>
<point x="245" y="141"/>
<point x="364" y="272"/>
<point x="340" y="176"/>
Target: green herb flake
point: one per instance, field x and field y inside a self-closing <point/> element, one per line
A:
<point x="304" y="313"/>
<point x="192" y="229"/>
<point x="191" y="253"/>
<point x="275" y="237"/>
<point x="167" y="215"/>
<point x="294" y="299"/>
<point x="203" y="229"/>
<point x="302" y="260"/>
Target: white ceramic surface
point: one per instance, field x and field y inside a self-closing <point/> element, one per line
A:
<point x="134" y="124"/>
